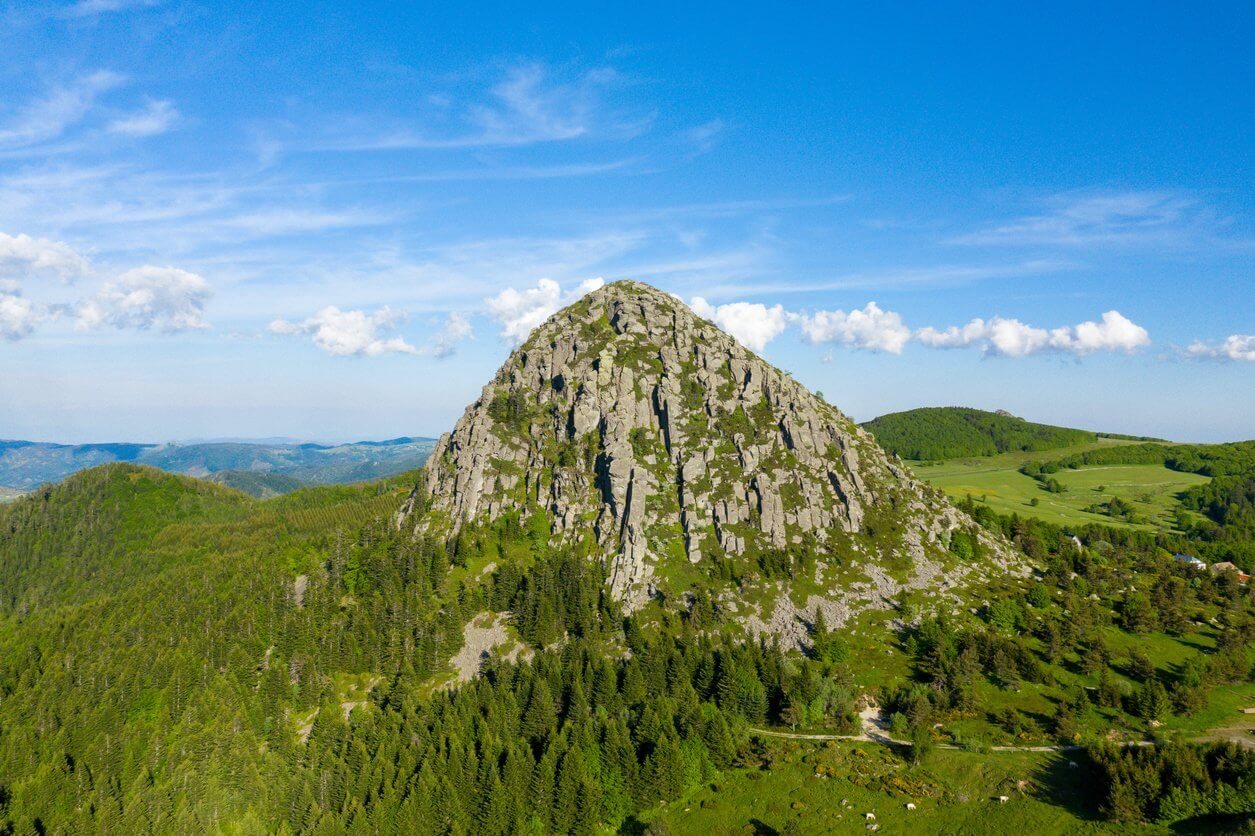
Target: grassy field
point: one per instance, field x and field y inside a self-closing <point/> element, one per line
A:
<point x="995" y="480"/>
<point x="831" y="787"/>
<point x="876" y="664"/>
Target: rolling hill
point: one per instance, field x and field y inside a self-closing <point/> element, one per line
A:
<point x="952" y="432"/>
<point x="257" y="483"/>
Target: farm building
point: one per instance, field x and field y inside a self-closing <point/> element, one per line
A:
<point x="1189" y="560"/>
<point x="1226" y="566"/>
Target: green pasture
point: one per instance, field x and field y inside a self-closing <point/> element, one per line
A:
<point x="811" y="787"/>
<point x="996" y="481"/>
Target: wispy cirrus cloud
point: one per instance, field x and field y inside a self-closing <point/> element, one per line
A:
<point x="92" y="8"/>
<point x="123" y="207"/>
<point x="1102" y="218"/>
<point x="47" y="116"/>
<point x="529" y="104"/>
<point x="703" y="138"/>
<point x="157" y="117"/>
<point x="905" y="278"/>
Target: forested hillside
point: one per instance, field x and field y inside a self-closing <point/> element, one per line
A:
<point x="263" y="664"/>
<point x="1207" y="459"/>
<point x="284" y="665"/>
<point x="254" y="483"/>
<point x="951" y="432"/>
<point x="95" y="534"/>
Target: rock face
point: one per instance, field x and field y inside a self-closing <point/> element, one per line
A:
<point x="630" y="420"/>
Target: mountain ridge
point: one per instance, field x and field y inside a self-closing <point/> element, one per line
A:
<point x="25" y="465"/>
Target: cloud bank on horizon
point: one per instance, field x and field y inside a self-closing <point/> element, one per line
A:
<point x="170" y="300"/>
<point x="756" y="325"/>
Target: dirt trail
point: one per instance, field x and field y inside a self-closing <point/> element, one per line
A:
<point x="875" y="730"/>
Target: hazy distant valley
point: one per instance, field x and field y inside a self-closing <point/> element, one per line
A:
<point x="261" y="468"/>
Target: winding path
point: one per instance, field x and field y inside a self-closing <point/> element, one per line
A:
<point x="874" y="732"/>
<point x="880" y="737"/>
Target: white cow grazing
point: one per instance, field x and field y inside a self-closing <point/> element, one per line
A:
<point x="910" y="805"/>
<point x="1003" y="799"/>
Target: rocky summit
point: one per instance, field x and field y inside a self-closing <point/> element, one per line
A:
<point x="684" y="455"/>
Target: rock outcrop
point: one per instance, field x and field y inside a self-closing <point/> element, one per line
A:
<point x="628" y="419"/>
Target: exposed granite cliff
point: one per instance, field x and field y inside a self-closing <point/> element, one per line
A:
<point x="628" y="417"/>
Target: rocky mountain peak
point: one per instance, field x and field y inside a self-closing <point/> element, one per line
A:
<point x="628" y="417"/>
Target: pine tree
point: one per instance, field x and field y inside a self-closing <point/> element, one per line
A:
<point x="494" y="815"/>
<point x="1152" y="701"/>
<point x="542" y="787"/>
<point x="540" y="718"/>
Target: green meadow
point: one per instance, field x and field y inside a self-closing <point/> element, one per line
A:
<point x="831" y="787"/>
<point x="996" y="481"/>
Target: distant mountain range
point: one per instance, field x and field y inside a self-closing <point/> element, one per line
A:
<point x="260" y="468"/>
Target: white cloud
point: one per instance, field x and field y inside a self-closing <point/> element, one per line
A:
<point x="18" y="316"/>
<point x="870" y="328"/>
<point x="48" y="117"/>
<point x="1234" y="347"/>
<point x="954" y="336"/>
<point x="1004" y="337"/>
<point x="23" y="254"/>
<point x="754" y="325"/>
<point x="349" y="333"/>
<point x="521" y="311"/>
<point x="457" y="328"/>
<point x="1115" y="333"/>
<point x="164" y="298"/>
<point x="1013" y="338"/>
<point x="157" y="118"/>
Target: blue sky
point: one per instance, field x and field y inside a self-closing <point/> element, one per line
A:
<point x="332" y="223"/>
